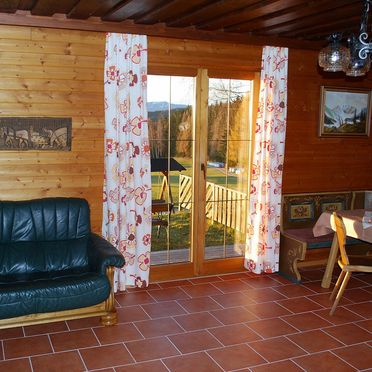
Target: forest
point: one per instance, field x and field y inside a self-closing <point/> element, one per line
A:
<point x="226" y="123"/>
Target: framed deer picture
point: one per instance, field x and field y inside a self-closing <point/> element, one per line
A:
<point x="35" y="133"/>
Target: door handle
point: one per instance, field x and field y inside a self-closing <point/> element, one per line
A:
<point x="204" y="170"/>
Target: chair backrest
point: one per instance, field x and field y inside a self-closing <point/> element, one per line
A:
<point x="341" y="237"/>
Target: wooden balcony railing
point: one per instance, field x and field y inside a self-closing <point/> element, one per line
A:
<point x="223" y="205"/>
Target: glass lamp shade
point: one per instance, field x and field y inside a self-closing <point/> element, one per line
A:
<point x="334" y="57"/>
<point x="358" y="67"/>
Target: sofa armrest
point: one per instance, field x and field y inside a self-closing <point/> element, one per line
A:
<point x="102" y="254"/>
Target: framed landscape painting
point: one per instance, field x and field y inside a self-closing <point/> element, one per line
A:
<point x="344" y="112"/>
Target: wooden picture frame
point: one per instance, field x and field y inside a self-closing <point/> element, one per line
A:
<point x="35" y="133"/>
<point x="344" y="112"/>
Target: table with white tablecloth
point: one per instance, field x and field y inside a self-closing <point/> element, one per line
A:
<point x="356" y="227"/>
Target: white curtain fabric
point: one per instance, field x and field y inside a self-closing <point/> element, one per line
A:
<point x="262" y="249"/>
<point x="127" y="182"/>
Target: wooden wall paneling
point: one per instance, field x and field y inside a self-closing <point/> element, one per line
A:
<point x="313" y="163"/>
<point x="50" y="85"/>
<point x="204" y="54"/>
<point x="48" y="60"/>
<point x="54" y="73"/>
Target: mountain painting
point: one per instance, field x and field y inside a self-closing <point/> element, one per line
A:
<point x="345" y="112"/>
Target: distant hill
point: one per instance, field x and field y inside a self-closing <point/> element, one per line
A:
<point x="164" y="106"/>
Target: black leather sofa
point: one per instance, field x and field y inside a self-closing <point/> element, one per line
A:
<point x="51" y="266"/>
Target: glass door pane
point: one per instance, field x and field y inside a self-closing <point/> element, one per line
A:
<point x="170" y="114"/>
<point x="227" y="167"/>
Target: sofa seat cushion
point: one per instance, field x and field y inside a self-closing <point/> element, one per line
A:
<point x="63" y="291"/>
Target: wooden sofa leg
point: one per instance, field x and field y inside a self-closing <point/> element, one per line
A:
<point x="110" y="318"/>
<point x="291" y="251"/>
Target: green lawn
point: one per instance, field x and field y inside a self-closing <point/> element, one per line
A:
<point x="180" y="233"/>
<point x="214" y="175"/>
<point x="216" y="234"/>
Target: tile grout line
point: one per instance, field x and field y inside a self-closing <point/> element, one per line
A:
<point x="161" y="361"/>
<point x="360" y="303"/>
<point x="291" y="325"/>
<point x="214" y="360"/>
<point x="143" y="337"/>
<point x="267" y="361"/>
<point x="285" y="308"/>
<point x="294" y="343"/>
<point x="30" y="363"/>
<point x="177" y="302"/>
<point x="51" y="344"/>
<point x="95" y="336"/>
<point x="294" y="361"/>
<point x="177" y="349"/>
<point x="254" y="331"/>
<point x="211" y="334"/>
<point x="127" y="349"/>
<point x="82" y="360"/>
<point x="336" y="339"/>
<point x="331" y="351"/>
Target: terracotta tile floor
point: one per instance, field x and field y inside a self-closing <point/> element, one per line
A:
<point x="236" y="322"/>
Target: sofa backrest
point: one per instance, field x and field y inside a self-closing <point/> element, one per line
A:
<point x="303" y="210"/>
<point x="42" y="235"/>
<point x="362" y="199"/>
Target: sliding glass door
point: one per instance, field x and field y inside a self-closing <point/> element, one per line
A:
<point x="170" y="113"/>
<point x="228" y="149"/>
<point x="200" y="138"/>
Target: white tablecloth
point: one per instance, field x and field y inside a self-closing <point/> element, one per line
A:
<point x="353" y="220"/>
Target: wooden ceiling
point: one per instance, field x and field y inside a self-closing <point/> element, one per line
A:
<point x="282" y="22"/>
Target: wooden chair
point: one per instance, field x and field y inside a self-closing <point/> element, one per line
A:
<point x="161" y="211"/>
<point x="347" y="263"/>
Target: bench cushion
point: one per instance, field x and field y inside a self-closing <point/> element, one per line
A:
<point x="306" y="235"/>
<point x="324" y="241"/>
<point x="61" y="292"/>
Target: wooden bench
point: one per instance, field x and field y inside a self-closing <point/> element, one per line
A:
<point x="298" y="246"/>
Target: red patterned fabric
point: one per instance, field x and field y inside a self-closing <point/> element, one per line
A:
<point x="262" y="251"/>
<point x="127" y="182"/>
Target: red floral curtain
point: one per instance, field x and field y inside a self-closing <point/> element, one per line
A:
<point x="262" y="249"/>
<point x="127" y="182"/>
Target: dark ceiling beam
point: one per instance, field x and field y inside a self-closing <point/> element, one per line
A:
<point x="106" y="6"/>
<point x="50" y="7"/>
<point x="9" y="6"/>
<point x="23" y="18"/>
<point x="351" y="24"/>
<point x="317" y="20"/>
<point x="302" y="11"/>
<point x="326" y="30"/>
<point x="84" y="9"/>
<point x="131" y="8"/>
<point x="26" y="4"/>
<point x="214" y="10"/>
<point x="262" y="8"/>
<point x="169" y="10"/>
